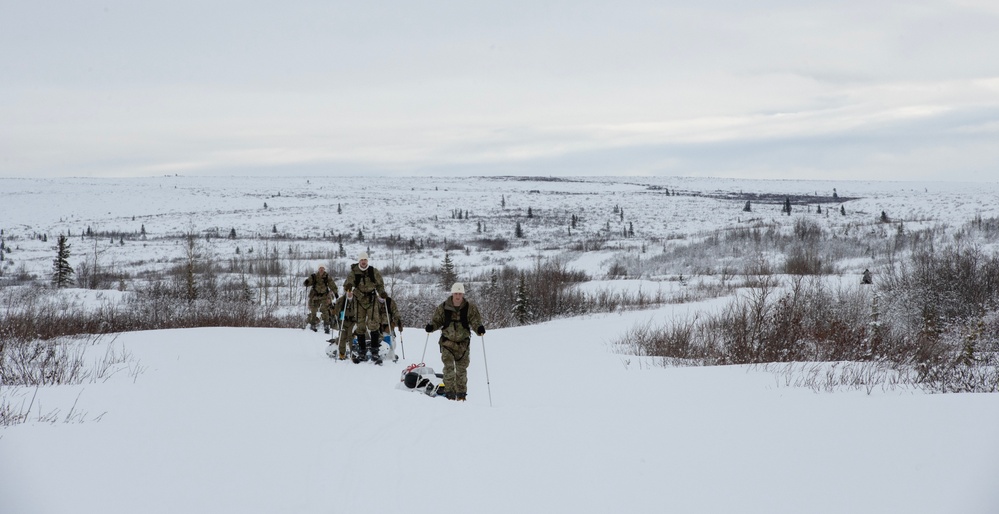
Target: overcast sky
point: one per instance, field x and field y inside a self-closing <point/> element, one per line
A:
<point x="763" y="89"/>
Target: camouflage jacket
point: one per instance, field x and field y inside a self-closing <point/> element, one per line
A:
<point x="366" y="283"/>
<point x="456" y="323"/>
<point x="393" y="313"/>
<point x="320" y="285"/>
<point x="347" y="308"/>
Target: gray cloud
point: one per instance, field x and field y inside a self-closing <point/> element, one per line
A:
<point x="762" y="89"/>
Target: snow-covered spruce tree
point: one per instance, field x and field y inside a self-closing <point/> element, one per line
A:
<point x="518" y="231"/>
<point x="62" y="272"/>
<point x="447" y="274"/>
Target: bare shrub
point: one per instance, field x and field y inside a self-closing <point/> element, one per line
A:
<point x="675" y="342"/>
<point x="934" y="322"/>
<point x="807" y="230"/>
<point x="805" y="260"/>
<point x="497" y="244"/>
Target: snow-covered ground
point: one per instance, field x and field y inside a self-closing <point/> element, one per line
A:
<point x="260" y="420"/>
<point x="417" y="208"/>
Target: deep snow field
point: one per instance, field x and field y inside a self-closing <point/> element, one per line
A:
<point x="260" y="420"/>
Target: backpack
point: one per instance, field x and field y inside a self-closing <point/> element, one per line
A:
<point x="462" y="315"/>
<point x="370" y="272"/>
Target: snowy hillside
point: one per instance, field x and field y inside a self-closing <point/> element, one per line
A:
<point x="260" y="420"/>
<point x="570" y="420"/>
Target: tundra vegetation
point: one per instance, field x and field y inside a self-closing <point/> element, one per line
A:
<point x="794" y="299"/>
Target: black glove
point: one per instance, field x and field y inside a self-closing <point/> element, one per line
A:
<point x="430" y="328"/>
<point x="481" y="330"/>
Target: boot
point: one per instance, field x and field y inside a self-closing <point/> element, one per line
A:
<point x="326" y="328"/>
<point x="375" y="347"/>
<point x="461" y="397"/>
<point x="312" y="326"/>
<point x="362" y="347"/>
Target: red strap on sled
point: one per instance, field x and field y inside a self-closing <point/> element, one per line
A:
<point x="412" y="367"/>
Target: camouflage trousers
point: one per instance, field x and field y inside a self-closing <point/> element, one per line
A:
<point x="346" y="337"/>
<point x="455" y="357"/>
<point x="368" y="317"/>
<point x="321" y="304"/>
<point x="365" y="340"/>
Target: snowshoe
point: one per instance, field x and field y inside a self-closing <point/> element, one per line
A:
<point x="331" y="351"/>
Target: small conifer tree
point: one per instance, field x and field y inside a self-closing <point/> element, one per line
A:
<point x="447" y="274"/>
<point x="62" y="272"/>
<point x="522" y="304"/>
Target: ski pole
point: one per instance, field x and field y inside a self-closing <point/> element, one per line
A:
<point x="308" y="311"/>
<point x="401" y="345"/>
<point x="425" y="348"/>
<point x="486" y="364"/>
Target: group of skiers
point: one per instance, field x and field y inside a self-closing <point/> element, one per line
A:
<point x="364" y="312"/>
<point x="367" y="313"/>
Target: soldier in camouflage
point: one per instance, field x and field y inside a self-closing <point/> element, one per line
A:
<point x="368" y="285"/>
<point x="322" y="291"/>
<point x="455" y="317"/>
<point x="389" y="312"/>
<point x="345" y="311"/>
